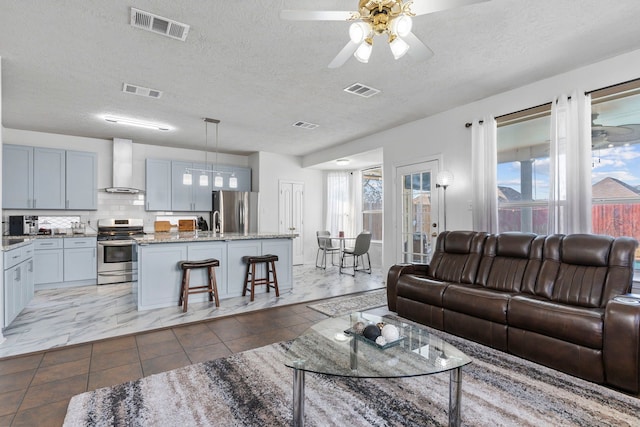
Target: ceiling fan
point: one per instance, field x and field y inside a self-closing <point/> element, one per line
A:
<point x="391" y="18"/>
<point x="610" y="136"/>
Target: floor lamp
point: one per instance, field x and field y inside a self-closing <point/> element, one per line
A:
<point x="444" y="179"/>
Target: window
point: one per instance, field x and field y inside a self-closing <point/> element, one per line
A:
<point x="523" y="165"/>
<point x="372" y="202"/>
<point x="615" y="176"/>
<point x="523" y="170"/>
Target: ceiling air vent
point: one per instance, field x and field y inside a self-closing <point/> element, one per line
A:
<point x="305" y="125"/>
<point x="158" y="24"/>
<point x="361" y="90"/>
<point x="142" y="91"/>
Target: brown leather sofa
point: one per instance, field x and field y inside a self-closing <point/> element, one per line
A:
<point x="560" y="300"/>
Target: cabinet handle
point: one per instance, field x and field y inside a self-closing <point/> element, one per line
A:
<point x="31" y="266"/>
<point x="18" y="275"/>
<point x="34" y="203"/>
<point x="46" y="244"/>
<point x="66" y="204"/>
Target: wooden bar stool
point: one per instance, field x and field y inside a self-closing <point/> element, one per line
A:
<point x="271" y="279"/>
<point x="211" y="287"/>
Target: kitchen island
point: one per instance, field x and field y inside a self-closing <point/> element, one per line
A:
<point x="159" y="276"/>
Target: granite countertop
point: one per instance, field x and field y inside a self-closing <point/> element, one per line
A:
<point x="12" y="242"/>
<point x="204" y="236"/>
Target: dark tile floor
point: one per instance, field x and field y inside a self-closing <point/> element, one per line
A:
<point x="35" y="389"/>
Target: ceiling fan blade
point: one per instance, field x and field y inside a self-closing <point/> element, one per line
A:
<point x="316" y="15"/>
<point x="346" y="52"/>
<point x="422" y="7"/>
<point x="417" y="49"/>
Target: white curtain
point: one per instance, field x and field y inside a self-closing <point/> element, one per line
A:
<point x="570" y="165"/>
<point x="484" y="175"/>
<point x="340" y="203"/>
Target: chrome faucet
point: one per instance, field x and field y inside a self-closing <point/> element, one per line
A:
<point x="216" y="226"/>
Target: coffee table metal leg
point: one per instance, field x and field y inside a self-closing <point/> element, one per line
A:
<point x="298" y="394"/>
<point x="455" y="395"/>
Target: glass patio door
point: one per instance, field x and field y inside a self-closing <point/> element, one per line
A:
<point x="418" y="211"/>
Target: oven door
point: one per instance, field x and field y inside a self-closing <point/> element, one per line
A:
<point x="117" y="261"/>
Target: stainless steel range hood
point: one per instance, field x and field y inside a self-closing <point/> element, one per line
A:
<point x="122" y="168"/>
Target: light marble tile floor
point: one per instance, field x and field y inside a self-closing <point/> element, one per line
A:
<point x="59" y="317"/>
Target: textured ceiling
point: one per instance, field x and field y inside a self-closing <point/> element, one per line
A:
<point x="64" y="63"/>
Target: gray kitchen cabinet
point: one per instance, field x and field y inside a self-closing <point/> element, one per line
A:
<point x="17" y="176"/>
<point x="48" y="178"/>
<point x="65" y="262"/>
<point x="80" y="262"/>
<point x="81" y="180"/>
<point x="18" y="281"/>
<point x="48" y="261"/>
<point x="194" y="197"/>
<point x="158" y="185"/>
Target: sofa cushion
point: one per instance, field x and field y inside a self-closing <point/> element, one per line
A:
<point x="578" y="325"/>
<point x="456" y="256"/>
<point x="477" y="301"/>
<point x="421" y="289"/>
<point x="510" y="261"/>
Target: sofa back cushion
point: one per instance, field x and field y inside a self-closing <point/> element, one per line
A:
<point x="585" y="269"/>
<point x="457" y="256"/>
<point x="510" y="261"/>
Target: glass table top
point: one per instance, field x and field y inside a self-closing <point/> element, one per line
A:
<point x="325" y="348"/>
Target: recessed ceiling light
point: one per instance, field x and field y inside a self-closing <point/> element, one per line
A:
<point x="138" y="123"/>
<point x="342" y="162"/>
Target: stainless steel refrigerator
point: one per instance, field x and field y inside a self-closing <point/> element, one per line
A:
<point x="234" y="212"/>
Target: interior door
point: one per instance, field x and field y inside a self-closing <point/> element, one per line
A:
<point x="291" y="211"/>
<point x="418" y="224"/>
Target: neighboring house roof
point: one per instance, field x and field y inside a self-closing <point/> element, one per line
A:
<point x="612" y="188"/>
<point x="508" y="194"/>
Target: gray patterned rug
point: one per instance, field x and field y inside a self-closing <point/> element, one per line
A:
<point x="349" y="304"/>
<point x="254" y="388"/>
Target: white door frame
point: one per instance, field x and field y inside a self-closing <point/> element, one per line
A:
<point x="292" y="221"/>
<point x="434" y="164"/>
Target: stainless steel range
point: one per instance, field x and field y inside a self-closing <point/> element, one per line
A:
<point x="117" y="256"/>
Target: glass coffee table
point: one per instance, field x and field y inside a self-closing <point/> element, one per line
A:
<point x="327" y="349"/>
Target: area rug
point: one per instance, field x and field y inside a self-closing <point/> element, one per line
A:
<point x="349" y="304"/>
<point x="254" y="388"/>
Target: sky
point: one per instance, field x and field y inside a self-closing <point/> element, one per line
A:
<point x="622" y="163"/>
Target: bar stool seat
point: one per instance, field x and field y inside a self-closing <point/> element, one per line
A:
<point x="211" y="287"/>
<point x="271" y="278"/>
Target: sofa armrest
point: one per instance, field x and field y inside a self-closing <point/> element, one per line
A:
<point x="621" y="346"/>
<point x="394" y="274"/>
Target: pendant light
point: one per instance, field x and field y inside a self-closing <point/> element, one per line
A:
<point x="217" y="181"/>
<point x="233" y="181"/>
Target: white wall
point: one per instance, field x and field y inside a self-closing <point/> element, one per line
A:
<point x="274" y="168"/>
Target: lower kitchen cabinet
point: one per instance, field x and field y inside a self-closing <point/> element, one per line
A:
<point x="65" y="262"/>
<point x="49" y="262"/>
<point x="18" y="282"/>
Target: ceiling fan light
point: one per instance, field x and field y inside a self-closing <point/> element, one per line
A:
<point x="186" y="178"/>
<point x="398" y="47"/>
<point x="364" y="52"/>
<point x="402" y="25"/>
<point x="358" y="31"/>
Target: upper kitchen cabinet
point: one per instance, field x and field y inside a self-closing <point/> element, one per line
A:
<point x="17" y="177"/>
<point x="158" y="185"/>
<point x="48" y="178"/>
<point x="82" y="180"/>
<point x="194" y="197"/>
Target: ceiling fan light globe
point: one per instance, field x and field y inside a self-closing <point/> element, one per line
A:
<point x="363" y="53"/>
<point x="398" y="48"/>
<point x="402" y="25"/>
<point x="358" y="31"/>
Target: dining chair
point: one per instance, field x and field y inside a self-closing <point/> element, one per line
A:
<point x="360" y="249"/>
<point x="325" y="245"/>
